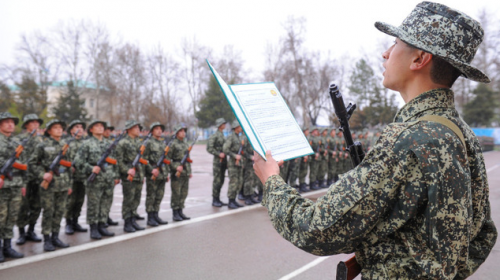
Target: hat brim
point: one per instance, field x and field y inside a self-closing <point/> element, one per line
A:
<point x="160" y="125"/>
<point x="40" y="121"/>
<point x="466" y="69"/>
<point x="84" y="125"/>
<point x="62" y="123"/>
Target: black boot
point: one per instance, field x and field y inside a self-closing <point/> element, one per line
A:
<point x="233" y="204"/>
<point x="2" y="258"/>
<point x="57" y="242"/>
<point x="315" y="185"/>
<point x="103" y="231"/>
<point x="31" y="235"/>
<point x="259" y="197"/>
<point x="111" y="222"/>
<point x="77" y="227"/>
<point x="47" y="243"/>
<point x="128" y="225"/>
<point x="324" y="184"/>
<point x="69" y="227"/>
<point x="151" y="220"/>
<point x="254" y="199"/>
<point x="303" y="188"/>
<point x="336" y="178"/>
<point x="159" y="220"/>
<point x="136" y="225"/>
<point x="22" y="237"/>
<point x="176" y="216"/>
<point x="241" y="196"/>
<point x="94" y="233"/>
<point x="8" y="252"/>
<point x="217" y="203"/>
<point x="248" y="200"/>
<point x="184" y="217"/>
<point x="138" y="218"/>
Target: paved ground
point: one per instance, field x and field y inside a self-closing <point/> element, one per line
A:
<point x="215" y="244"/>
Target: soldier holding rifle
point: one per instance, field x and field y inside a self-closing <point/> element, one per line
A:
<point x="235" y="164"/>
<point x="219" y="164"/>
<point x="417" y="206"/>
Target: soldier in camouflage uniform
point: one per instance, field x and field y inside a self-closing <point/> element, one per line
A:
<point x="315" y="142"/>
<point x="10" y="190"/>
<point x="417" y="207"/>
<point x="235" y="164"/>
<point x="323" y="155"/>
<point x="108" y="196"/>
<point x="304" y="165"/>
<point x="54" y="198"/>
<point x="249" y="178"/>
<point x="86" y="160"/>
<point x="125" y="152"/>
<point x="30" y="205"/>
<point x="155" y="189"/>
<point x="77" y="197"/>
<point x="179" y="185"/>
<point x="219" y="163"/>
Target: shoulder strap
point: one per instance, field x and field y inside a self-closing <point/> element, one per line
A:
<point x="446" y="122"/>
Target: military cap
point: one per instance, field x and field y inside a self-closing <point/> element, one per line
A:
<point x="75" y="122"/>
<point x="93" y="122"/>
<point x="7" y="115"/>
<point x="324" y="129"/>
<point x="51" y="123"/>
<point x="31" y="117"/>
<point x="109" y="126"/>
<point x="304" y="128"/>
<point x="157" y="124"/>
<point x="178" y="127"/>
<point x="235" y="124"/>
<point x="219" y="122"/>
<point x="443" y="32"/>
<point x="131" y="123"/>
<point x="312" y="128"/>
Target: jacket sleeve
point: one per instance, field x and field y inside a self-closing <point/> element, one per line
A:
<point x="211" y="145"/>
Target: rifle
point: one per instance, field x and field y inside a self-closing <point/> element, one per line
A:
<point x="186" y="157"/>
<point x="11" y="163"/>
<point x="105" y="158"/>
<point x="163" y="159"/>
<point x="240" y="151"/>
<point x="350" y="268"/>
<point x="138" y="159"/>
<point x="54" y="166"/>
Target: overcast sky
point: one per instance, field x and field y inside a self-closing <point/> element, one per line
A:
<point x="337" y="27"/>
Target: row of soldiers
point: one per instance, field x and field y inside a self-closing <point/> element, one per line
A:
<point x="53" y="174"/>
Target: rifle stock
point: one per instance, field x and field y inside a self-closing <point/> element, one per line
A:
<point x="138" y="159"/>
<point x="186" y="157"/>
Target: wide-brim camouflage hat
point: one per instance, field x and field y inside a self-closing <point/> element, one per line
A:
<point x="8" y="115"/>
<point x="443" y="32"/>
<point x="153" y="125"/>
<point x="235" y="124"/>
<point x="51" y="123"/>
<point x="93" y="122"/>
<point x="109" y="126"/>
<point x="178" y="127"/>
<point x="31" y="117"/>
<point x="75" y="122"/>
<point x="220" y="121"/>
<point x="131" y="123"/>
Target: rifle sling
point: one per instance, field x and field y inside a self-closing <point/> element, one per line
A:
<point x="446" y="122"/>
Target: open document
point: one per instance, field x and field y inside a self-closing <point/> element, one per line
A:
<point x="266" y="119"/>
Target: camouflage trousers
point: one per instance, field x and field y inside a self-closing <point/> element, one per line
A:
<point x="235" y="181"/>
<point x="108" y="198"/>
<point x="53" y="205"/>
<point x="333" y="164"/>
<point x="249" y="180"/>
<point x="75" y="200"/>
<point x="131" y="198"/>
<point x="180" y="188"/>
<point x="154" y="194"/>
<point x="313" y="170"/>
<point x="30" y="205"/>
<point x="303" y="168"/>
<point x="322" y="169"/>
<point x="219" y="172"/>
<point x="97" y="210"/>
<point x="294" y="173"/>
<point x="10" y="201"/>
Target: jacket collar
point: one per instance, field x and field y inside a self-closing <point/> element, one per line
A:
<point x="436" y="98"/>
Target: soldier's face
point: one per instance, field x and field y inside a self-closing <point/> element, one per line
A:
<point x="238" y="130"/>
<point x="398" y="59"/>
<point x="7" y="126"/>
<point x="107" y="132"/>
<point x="56" y="130"/>
<point x="325" y="133"/>
<point x="181" y="134"/>
<point x="306" y="132"/>
<point x="97" y="129"/>
<point x="80" y="129"/>
<point x="134" y="131"/>
<point x="157" y="131"/>
<point x="222" y="126"/>
<point x="315" y="132"/>
<point x="34" y="124"/>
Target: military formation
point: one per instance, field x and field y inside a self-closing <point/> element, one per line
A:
<point x="51" y="174"/>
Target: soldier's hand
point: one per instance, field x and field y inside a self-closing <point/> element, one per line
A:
<point x="70" y="191"/>
<point x="265" y="169"/>
<point x="73" y="169"/>
<point x="47" y="177"/>
<point x="155" y="172"/>
<point x="167" y="179"/>
<point x="222" y="155"/>
<point x="252" y="158"/>
<point x="23" y="191"/>
<point x="334" y="154"/>
<point x="96" y="169"/>
<point x="1" y="183"/>
<point x="190" y="175"/>
<point x="117" y="181"/>
<point x="131" y="172"/>
<point x="316" y="156"/>
<point x="179" y="168"/>
<point x="237" y="157"/>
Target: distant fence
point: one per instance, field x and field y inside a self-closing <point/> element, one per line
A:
<point x="489" y="137"/>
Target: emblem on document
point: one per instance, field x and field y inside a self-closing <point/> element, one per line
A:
<point x="274" y="93"/>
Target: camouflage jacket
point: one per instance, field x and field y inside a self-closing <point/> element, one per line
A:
<point x="113" y="168"/>
<point x="89" y="154"/>
<point x="7" y="147"/>
<point x="231" y="148"/>
<point x="125" y="152"/>
<point x="74" y="146"/>
<point x="177" y="150"/>
<point x="416" y="207"/>
<point x="215" y="144"/>
<point x="153" y="152"/>
<point x="314" y="141"/>
<point x="28" y="152"/>
<point x="45" y="152"/>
